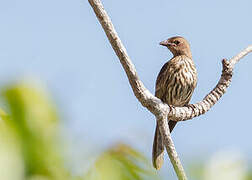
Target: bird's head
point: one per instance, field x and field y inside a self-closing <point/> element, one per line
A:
<point x="178" y="46"/>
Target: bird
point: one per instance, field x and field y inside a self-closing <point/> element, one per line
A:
<point x="175" y="85"/>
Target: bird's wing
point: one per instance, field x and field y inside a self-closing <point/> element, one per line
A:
<point x="160" y="82"/>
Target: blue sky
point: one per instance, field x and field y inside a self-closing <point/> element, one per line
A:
<point x="61" y="43"/>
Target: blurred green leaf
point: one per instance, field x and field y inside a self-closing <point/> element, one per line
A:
<point x="34" y="120"/>
<point x="11" y="162"/>
<point x="249" y="175"/>
<point x="121" y="162"/>
<point x="197" y="170"/>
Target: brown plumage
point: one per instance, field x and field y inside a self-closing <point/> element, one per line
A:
<point x="175" y="84"/>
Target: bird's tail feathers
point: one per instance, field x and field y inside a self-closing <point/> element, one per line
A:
<point x="158" y="146"/>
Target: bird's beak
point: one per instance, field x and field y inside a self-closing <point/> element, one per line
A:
<point x="165" y="43"/>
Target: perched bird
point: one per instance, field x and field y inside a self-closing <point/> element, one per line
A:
<point x="175" y="84"/>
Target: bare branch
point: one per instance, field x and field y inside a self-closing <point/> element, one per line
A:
<point x="142" y="94"/>
<point x="170" y="148"/>
<point x="155" y="105"/>
<point x="194" y="110"/>
<point x="237" y="58"/>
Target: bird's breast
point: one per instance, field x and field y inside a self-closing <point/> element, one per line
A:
<point x="181" y="79"/>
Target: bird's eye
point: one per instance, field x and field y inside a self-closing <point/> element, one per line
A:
<point x="176" y="42"/>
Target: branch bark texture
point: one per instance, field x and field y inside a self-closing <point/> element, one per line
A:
<point x="161" y="110"/>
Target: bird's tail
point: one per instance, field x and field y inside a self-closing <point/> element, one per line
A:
<point x="158" y="146"/>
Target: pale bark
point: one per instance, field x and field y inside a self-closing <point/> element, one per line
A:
<point x="155" y="105"/>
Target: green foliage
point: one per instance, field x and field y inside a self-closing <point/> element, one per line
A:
<point x="30" y="149"/>
<point x="123" y="163"/>
<point x="32" y="130"/>
<point x="249" y="176"/>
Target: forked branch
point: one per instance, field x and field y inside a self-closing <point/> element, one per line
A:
<point x="155" y="105"/>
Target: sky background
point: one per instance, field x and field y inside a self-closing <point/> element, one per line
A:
<point x="61" y="44"/>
